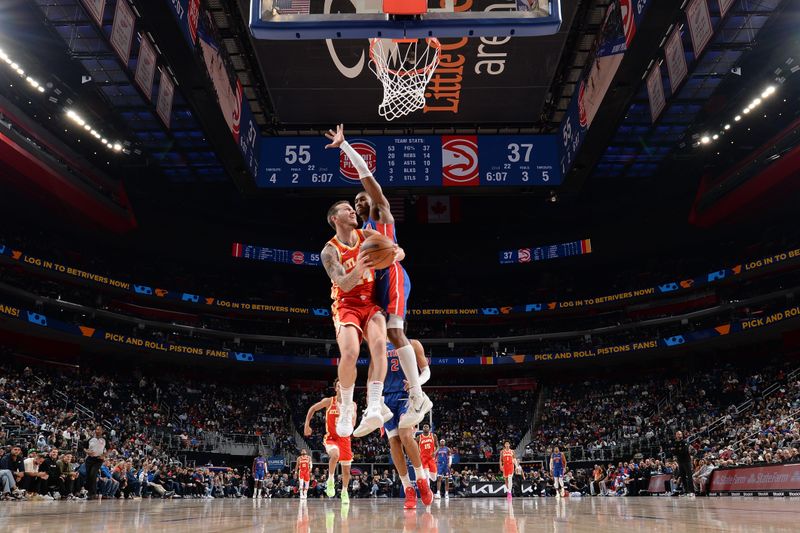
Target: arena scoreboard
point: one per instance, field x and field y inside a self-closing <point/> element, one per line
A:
<point x="413" y="161"/>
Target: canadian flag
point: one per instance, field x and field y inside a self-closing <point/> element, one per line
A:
<point x="439" y="209"/>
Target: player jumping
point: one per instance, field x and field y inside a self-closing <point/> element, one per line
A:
<point x="508" y="463"/>
<point x="558" y="466"/>
<point x="355" y="315"/>
<point x="392" y="284"/>
<point x="337" y="447"/>
<point x="396" y="398"/>
<point x="443" y="461"/>
<point x="259" y="474"/>
<point x="303" y="470"/>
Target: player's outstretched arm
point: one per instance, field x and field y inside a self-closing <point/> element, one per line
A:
<point x="380" y="205"/>
<point x="335" y="269"/>
<point x="322" y="404"/>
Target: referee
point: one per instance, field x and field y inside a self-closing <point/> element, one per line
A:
<point x="681" y="452"/>
<point x="94" y="460"/>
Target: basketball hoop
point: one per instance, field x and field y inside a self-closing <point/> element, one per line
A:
<point x="404" y="67"/>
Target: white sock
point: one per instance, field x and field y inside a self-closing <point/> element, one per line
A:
<point x="420" y="474"/>
<point x="347" y="394"/>
<point x="374" y="393"/>
<point x="406" y="481"/>
<point x="408" y="362"/>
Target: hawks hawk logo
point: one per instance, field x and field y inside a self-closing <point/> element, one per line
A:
<point x="367" y="150"/>
<point x="460" y="161"/>
<point x="524" y="255"/>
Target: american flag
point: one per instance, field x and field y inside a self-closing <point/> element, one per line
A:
<point x="293" y="7"/>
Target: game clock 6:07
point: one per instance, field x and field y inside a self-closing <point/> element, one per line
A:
<point x="414" y="161"/>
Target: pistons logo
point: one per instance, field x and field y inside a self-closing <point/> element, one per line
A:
<point x="524" y="255"/>
<point x="582" y="108"/>
<point x="628" y="21"/>
<point x="366" y="150"/>
<point x="298" y="258"/>
<point x="237" y="112"/>
<point x="460" y="161"/>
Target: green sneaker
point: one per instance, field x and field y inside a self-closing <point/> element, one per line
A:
<point x="330" y="488"/>
<point x="345" y="497"/>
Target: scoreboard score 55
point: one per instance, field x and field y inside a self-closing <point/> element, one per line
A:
<point x="417" y="161"/>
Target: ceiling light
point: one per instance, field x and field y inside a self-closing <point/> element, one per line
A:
<point x="705" y="139"/>
<point x="727" y="126"/>
<point x="117" y="147"/>
<point x="746" y="110"/>
<point x="737" y="118"/>
<point x="715" y="137"/>
<point x="755" y="102"/>
<point x="87" y="127"/>
<point x="40" y="89"/>
<point x="768" y="91"/>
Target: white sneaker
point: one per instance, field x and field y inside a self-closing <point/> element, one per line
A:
<point x="446" y="495"/>
<point x="418" y="407"/>
<point x="370" y="421"/>
<point x="48" y="498"/>
<point x="437" y="496"/>
<point x="344" y="425"/>
<point x="386" y="412"/>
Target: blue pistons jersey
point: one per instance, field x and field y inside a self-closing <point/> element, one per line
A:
<point x="443" y="456"/>
<point x="394" y="394"/>
<point x="558" y="465"/>
<point x="395" y="378"/>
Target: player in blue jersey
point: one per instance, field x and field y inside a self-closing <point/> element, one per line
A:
<point x="392" y="284"/>
<point x="259" y="474"/>
<point x="443" y="461"/>
<point x="396" y="398"/>
<point x="558" y="467"/>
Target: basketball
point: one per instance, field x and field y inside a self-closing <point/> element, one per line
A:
<point x="380" y="249"/>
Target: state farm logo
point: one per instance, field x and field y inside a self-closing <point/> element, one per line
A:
<point x="460" y="161"/>
<point x="628" y="21"/>
<point x="366" y="150"/>
<point x="582" y="108"/>
<point x="298" y="258"/>
<point x="524" y="255"/>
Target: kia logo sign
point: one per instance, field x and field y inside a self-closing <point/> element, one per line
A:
<point x="298" y="258"/>
<point x="366" y="150"/>
<point x="460" y="161"/>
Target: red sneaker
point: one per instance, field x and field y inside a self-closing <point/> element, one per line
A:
<point x="425" y="493"/>
<point x="411" y="499"/>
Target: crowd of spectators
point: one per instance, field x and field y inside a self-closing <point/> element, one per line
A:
<point x="474" y="422"/>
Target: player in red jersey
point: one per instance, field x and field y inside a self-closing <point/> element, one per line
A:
<point x="392" y="284"/>
<point x="427" y="449"/>
<point x="508" y="463"/>
<point x="303" y="470"/>
<point x="337" y="447"/>
<point x="355" y="316"/>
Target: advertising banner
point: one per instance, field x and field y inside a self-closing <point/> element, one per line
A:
<point x="756" y="480"/>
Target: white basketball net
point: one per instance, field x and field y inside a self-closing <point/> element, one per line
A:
<point x="404" y="68"/>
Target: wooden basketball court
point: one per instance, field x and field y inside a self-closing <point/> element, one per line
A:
<point x="590" y="515"/>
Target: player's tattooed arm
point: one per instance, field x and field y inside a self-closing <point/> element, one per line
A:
<point x="336" y="272"/>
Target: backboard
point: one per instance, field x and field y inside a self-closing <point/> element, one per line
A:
<point x="361" y="19"/>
